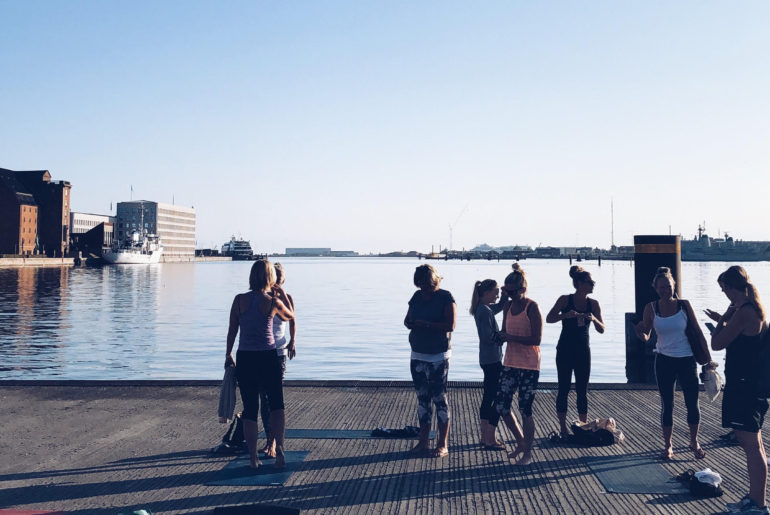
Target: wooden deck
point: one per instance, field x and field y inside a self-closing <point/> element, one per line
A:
<point x="100" y="448"/>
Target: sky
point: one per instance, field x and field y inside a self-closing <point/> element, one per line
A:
<point x="378" y="126"/>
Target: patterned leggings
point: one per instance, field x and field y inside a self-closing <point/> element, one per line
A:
<point x="430" y="383"/>
<point x="510" y="380"/>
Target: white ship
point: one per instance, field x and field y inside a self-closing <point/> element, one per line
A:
<point x="238" y="249"/>
<point x="138" y="249"/>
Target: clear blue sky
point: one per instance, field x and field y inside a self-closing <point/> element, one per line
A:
<point x="370" y="125"/>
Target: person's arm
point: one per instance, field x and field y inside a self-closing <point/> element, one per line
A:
<point x="281" y="305"/>
<point x="729" y="327"/>
<point x="409" y="319"/>
<point x="596" y="316"/>
<point x="643" y="328"/>
<point x="536" y="327"/>
<point x="291" y="349"/>
<point x="497" y="308"/>
<point x="485" y="325"/>
<point x="555" y="315"/>
<point x="713" y="315"/>
<point x="232" y="331"/>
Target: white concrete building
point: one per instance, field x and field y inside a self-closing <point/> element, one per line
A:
<point x="175" y="225"/>
<point x="81" y="223"/>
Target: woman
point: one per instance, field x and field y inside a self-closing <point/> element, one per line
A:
<point x="576" y="313"/>
<point x="256" y="365"/>
<point x="739" y="330"/>
<point x="673" y="358"/>
<point x="431" y="320"/>
<point x="283" y="348"/>
<point x="523" y="326"/>
<point x="484" y="309"/>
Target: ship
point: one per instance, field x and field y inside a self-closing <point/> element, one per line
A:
<point x="704" y="248"/>
<point x="239" y="250"/>
<point x="137" y="249"/>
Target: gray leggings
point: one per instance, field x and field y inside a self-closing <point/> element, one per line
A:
<point x="430" y="383"/>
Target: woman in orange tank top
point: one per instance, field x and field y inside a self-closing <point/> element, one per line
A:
<point x="523" y="329"/>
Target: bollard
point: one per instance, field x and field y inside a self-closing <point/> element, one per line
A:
<point x="650" y="252"/>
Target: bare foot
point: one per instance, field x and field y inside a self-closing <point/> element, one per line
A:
<point x="269" y="452"/>
<point x="440" y="452"/>
<point x="280" y="459"/>
<point x="667" y="454"/>
<point x="525" y="459"/>
<point x="254" y="462"/>
<point x="420" y="448"/>
<point x="698" y="451"/>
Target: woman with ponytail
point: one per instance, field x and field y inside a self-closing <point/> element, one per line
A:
<point x="674" y="358"/>
<point x="484" y="309"/>
<point x="740" y="330"/>
<point x="576" y="312"/>
<point x="523" y="326"/>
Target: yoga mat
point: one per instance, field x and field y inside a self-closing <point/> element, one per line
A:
<point x="239" y="473"/>
<point x="342" y="434"/>
<point x="633" y="475"/>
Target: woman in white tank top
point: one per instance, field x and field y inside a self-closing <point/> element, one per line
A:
<point x="673" y="358"/>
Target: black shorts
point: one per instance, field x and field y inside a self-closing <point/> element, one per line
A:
<point x="741" y="408"/>
<point x="259" y="372"/>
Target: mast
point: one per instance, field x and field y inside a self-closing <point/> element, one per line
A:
<point x="612" y="222"/>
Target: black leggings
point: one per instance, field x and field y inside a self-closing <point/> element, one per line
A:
<point x="487" y="410"/>
<point x="258" y="371"/>
<point x="575" y="358"/>
<point x="668" y="370"/>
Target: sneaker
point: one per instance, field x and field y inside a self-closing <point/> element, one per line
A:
<point x="734" y="507"/>
<point x="751" y="507"/>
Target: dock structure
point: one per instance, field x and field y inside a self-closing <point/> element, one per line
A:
<point x="103" y="447"/>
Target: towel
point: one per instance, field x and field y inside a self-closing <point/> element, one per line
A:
<point x="227" y="396"/>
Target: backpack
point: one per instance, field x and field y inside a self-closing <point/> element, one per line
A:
<point x="699" y="487"/>
<point x="232" y="441"/>
<point x="589" y="438"/>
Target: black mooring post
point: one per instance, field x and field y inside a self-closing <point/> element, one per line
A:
<point x="650" y="253"/>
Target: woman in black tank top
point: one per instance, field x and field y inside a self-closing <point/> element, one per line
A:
<point x="740" y="330"/>
<point x="573" y="354"/>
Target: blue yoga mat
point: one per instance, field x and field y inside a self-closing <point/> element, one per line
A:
<point x="342" y="434"/>
<point x="239" y="473"/>
<point x="633" y="475"/>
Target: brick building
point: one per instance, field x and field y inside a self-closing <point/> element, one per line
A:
<point x="18" y="216"/>
<point x="52" y="213"/>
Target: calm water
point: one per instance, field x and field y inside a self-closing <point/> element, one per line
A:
<point x="170" y="321"/>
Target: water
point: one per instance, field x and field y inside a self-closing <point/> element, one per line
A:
<point x="170" y="321"/>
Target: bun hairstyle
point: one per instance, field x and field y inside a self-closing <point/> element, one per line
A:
<point x="662" y="272"/>
<point x="579" y="275"/>
<point x="516" y="281"/>
<point x="479" y="289"/>
<point x="737" y="278"/>
<point x="426" y="275"/>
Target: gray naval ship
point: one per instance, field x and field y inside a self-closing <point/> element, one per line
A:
<point x="705" y="248"/>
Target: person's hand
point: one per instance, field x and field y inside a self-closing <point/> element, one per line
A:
<point x="588" y="318"/>
<point x="291" y="349"/>
<point x="713" y="315"/>
<point x="229" y="361"/>
<point x="571" y="314"/>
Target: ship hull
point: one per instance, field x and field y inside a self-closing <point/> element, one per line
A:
<point x="123" y="257"/>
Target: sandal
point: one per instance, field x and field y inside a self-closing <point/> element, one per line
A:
<point x="698" y="452"/>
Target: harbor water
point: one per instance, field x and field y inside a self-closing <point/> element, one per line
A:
<point x="169" y="321"/>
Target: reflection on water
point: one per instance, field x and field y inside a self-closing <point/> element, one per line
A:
<point x="170" y="321"/>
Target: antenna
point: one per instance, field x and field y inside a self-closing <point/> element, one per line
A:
<point x="464" y="209"/>
<point x="612" y="222"/>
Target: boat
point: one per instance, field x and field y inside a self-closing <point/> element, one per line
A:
<point x="137" y="249"/>
<point x="239" y="250"/>
<point x="704" y="248"/>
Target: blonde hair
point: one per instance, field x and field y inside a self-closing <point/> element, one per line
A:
<point x="517" y="279"/>
<point x="479" y="289"/>
<point x="661" y="273"/>
<point x="279" y="274"/>
<point x="262" y="275"/>
<point x="737" y="278"/>
<point x="579" y="275"/>
<point x="426" y="275"/>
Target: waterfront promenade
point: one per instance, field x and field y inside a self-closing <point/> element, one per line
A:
<point x="102" y="447"/>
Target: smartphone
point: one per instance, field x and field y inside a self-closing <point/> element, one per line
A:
<point x="710" y="327"/>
